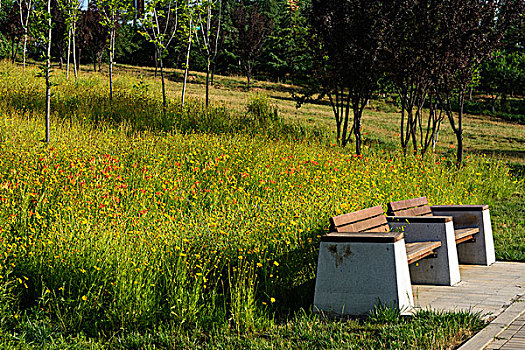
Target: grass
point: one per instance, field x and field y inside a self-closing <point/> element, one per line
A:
<point x="197" y="230"/>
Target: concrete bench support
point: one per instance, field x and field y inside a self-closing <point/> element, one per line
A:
<point x="480" y="252"/>
<point x="442" y="270"/>
<point x="353" y="277"/>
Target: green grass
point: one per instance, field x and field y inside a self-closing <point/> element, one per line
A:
<point x="200" y="229"/>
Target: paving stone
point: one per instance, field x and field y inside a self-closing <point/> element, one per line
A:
<point x="493" y="292"/>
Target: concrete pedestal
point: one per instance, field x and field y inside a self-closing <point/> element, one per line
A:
<point x="480" y="252"/>
<point x="353" y="277"/>
<point x="444" y="268"/>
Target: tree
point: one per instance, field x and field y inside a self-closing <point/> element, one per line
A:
<point x="48" y="71"/>
<point x="92" y="35"/>
<point x="111" y="11"/>
<point x="71" y="9"/>
<point x="410" y="60"/>
<point x="42" y="32"/>
<point x="10" y="27"/>
<point x="350" y="37"/>
<point x="25" y="8"/>
<point x="188" y="30"/>
<point x="207" y="35"/>
<point x="467" y="32"/>
<point x="251" y="28"/>
<point x="160" y="22"/>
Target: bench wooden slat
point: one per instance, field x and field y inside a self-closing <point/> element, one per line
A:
<point x="419" y="250"/>
<point x="420" y="219"/>
<point x="382" y="228"/>
<point x="467" y="207"/>
<point x="349" y="218"/>
<point x="408" y="203"/>
<point x="390" y="237"/>
<point x="418" y="211"/>
<point x="465" y="234"/>
<point x="364" y="225"/>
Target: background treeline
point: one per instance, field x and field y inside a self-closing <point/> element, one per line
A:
<point x="285" y="23"/>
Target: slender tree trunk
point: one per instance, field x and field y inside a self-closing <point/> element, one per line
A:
<point x="208" y="82"/>
<point x="68" y="54"/>
<point x="111" y="44"/>
<point x="212" y="81"/>
<point x="74" y="49"/>
<point x="459" y="131"/>
<point x="357" y="130"/>
<point x="164" y="103"/>
<point x="13" y="56"/>
<point x="248" y="75"/>
<point x="25" y="47"/>
<point x="156" y="62"/>
<point x="187" y="64"/>
<point x="48" y="69"/>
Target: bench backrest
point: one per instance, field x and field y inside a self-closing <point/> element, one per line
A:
<point x="366" y="220"/>
<point x="410" y="207"/>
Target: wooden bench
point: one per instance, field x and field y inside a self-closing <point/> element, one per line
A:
<point x="372" y="221"/>
<point x="471" y="225"/>
<point x="361" y="262"/>
<point x="419" y="207"/>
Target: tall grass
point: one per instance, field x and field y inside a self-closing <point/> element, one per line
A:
<point x="119" y="232"/>
<point x="138" y="105"/>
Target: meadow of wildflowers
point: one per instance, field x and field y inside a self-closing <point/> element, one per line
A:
<point x="109" y="230"/>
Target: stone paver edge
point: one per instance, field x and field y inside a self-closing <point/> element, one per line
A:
<point x="495" y="327"/>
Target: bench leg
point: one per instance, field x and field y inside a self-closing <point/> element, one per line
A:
<point x="353" y="277"/>
<point x="444" y="268"/>
<point x="480" y="252"/>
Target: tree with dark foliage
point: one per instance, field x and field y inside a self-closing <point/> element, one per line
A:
<point x="251" y="28"/>
<point x="351" y="34"/>
<point x="10" y="26"/>
<point x="410" y="61"/>
<point x="466" y="33"/>
<point x="92" y="35"/>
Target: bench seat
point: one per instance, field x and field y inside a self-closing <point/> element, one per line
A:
<point x="465" y="234"/>
<point x="420" y="250"/>
<point x="471" y="225"/>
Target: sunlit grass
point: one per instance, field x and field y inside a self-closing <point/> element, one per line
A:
<point x="129" y="229"/>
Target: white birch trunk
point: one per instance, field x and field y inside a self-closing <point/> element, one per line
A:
<point x="187" y="63"/>
<point x="48" y="69"/>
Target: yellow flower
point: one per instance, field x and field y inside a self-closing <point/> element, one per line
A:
<point x="276" y="263"/>
<point x="272" y="300"/>
<point x="84" y="297"/>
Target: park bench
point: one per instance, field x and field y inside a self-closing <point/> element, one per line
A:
<point x="362" y="262"/>
<point x="471" y="227"/>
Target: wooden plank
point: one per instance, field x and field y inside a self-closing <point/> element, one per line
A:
<point x="356" y="216"/>
<point x="363" y="225"/>
<point x="390" y="237"/>
<point x="408" y="203"/>
<point x="420" y="219"/>
<point x="419" y="250"/>
<point x="418" y="211"/>
<point x="465" y="234"/>
<point x="382" y="228"/>
<point x="480" y="207"/>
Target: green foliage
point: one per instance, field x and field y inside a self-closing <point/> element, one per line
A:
<point x="260" y="109"/>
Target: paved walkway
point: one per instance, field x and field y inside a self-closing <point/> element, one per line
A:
<point x="512" y="338"/>
<point x="495" y="292"/>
